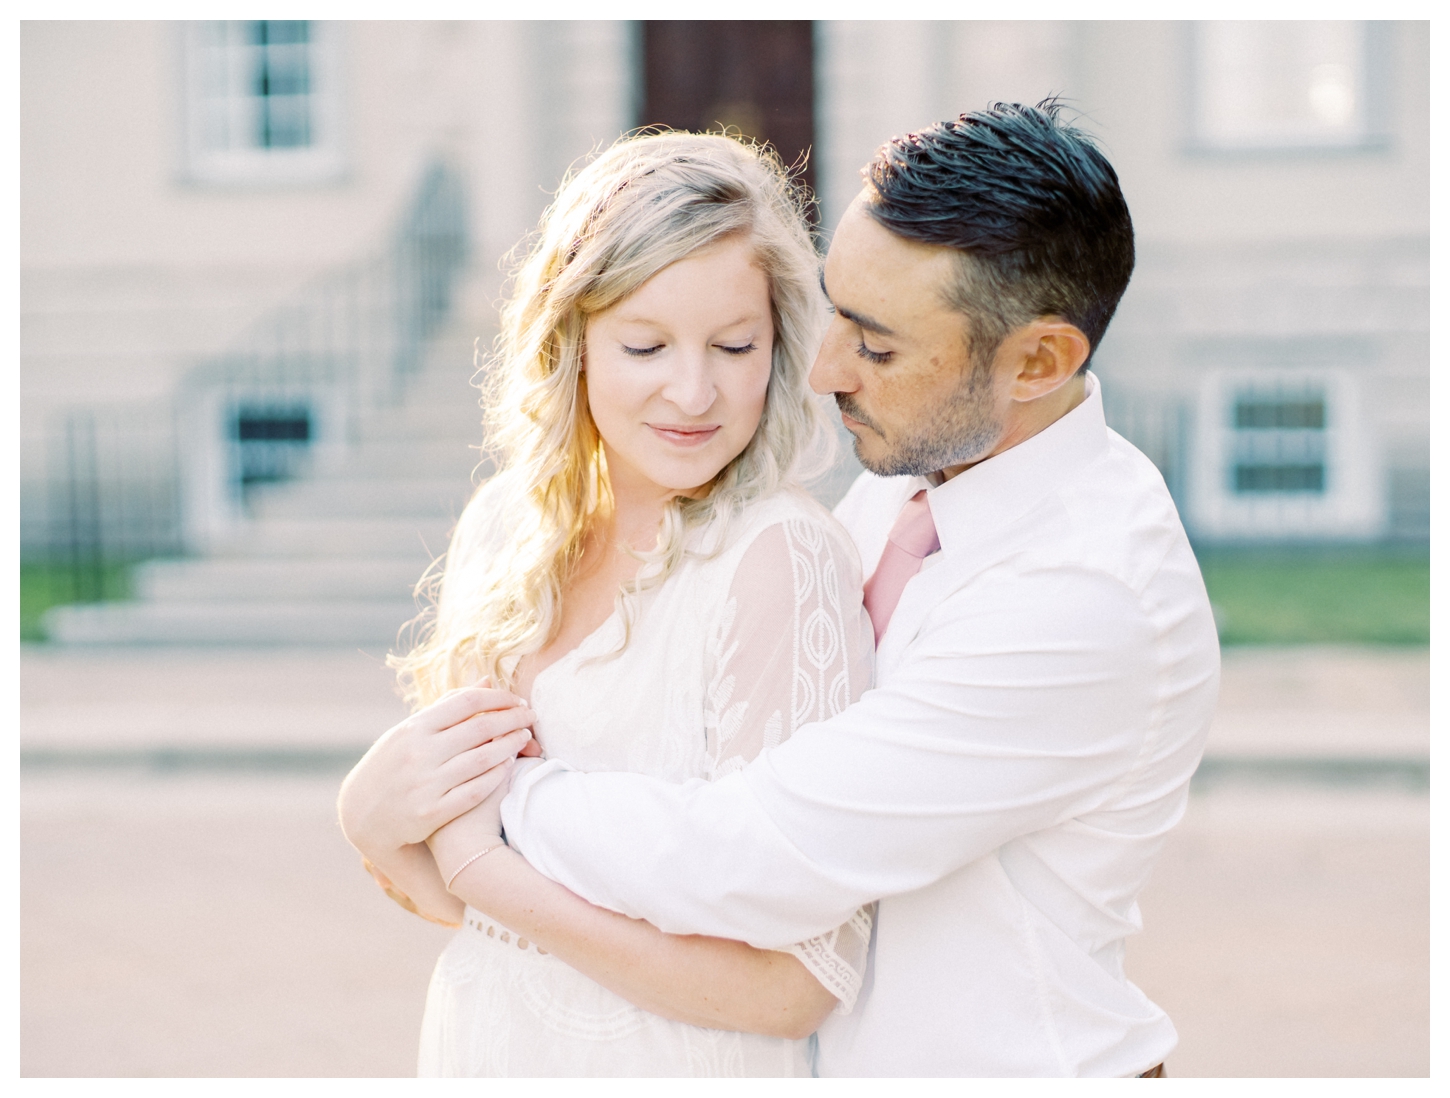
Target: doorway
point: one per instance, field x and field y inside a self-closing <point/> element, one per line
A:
<point x="754" y="75"/>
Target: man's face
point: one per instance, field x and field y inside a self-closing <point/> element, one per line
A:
<point x="896" y="355"/>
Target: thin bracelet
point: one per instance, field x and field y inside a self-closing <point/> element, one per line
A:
<point x="486" y="850"/>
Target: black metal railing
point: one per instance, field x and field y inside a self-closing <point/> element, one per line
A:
<point x="125" y="483"/>
<point x="1159" y="425"/>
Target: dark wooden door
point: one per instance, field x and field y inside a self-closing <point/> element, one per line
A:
<point x="754" y="75"/>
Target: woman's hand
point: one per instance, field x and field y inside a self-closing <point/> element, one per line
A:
<point x="477" y="829"/>
<point x="436" y="765"/>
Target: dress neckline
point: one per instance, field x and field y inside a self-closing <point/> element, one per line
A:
<point x="573" y="654"/>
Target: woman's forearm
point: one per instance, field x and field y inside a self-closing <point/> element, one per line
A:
<point x="415" y="882"/>
<point x="703" y="981"/>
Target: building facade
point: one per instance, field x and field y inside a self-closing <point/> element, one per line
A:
<point x="198" y="199"/>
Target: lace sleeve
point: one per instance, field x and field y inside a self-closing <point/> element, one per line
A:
<point x="793" y="646"/>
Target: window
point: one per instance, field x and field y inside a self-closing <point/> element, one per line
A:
<point x="272" y="442"/>
<point x="1283" y="85"/>
<point x="1282" y="452"/>
<point x="1278" y="442"/>
<point x="262" y="101"/>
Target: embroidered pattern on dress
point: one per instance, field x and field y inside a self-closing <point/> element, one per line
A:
<point x="820" y="687"/>
<point x="685" y="699"/>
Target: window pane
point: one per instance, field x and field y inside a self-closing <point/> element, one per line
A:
<point x="1278" y="440"/>
<point x="287" y="122"/>
<point x="1279" y="413"/>
<point x="1264" y="84"/>
<point x="253" y="111"/>
<point x="252" y="85"/>
<point x="272" y="442"/>
<point x="286" y="70"/>
<point x="281" y="31"/>
<point x="1279" y="478"/>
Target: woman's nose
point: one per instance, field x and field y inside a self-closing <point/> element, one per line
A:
<point x="691" y="388"/>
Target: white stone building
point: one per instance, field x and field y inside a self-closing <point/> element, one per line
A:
<point x="187" y="188"/>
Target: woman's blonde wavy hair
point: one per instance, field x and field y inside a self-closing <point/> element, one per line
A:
<point x="649" y="200"/>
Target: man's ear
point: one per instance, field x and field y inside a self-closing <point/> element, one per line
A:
<point x="1046" y="354"/>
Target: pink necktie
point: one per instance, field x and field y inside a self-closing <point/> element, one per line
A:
<point x="912" y="539"/>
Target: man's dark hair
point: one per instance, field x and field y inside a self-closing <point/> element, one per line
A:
<point x="1030" y="202"/>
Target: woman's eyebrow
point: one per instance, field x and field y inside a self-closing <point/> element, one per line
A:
<point x="648" y="322"/>
<point x="861" y="320"/>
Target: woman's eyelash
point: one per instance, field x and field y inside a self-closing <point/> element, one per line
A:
<point x="642" y="352"/>
<point x="878" y="357"/>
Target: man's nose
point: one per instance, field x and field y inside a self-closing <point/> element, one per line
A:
<point x="832" y="370"/>
<point x="691" y="387"/>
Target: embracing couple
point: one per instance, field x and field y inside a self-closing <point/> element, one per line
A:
<point x="864" y="794"/>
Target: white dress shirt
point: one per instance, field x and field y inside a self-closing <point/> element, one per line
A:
<point x="1041" y="700"/>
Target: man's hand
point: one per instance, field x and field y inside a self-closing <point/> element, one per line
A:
<point x="431" y="768"/>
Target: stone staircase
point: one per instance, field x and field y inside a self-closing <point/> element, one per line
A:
<point x="329" y="559"/>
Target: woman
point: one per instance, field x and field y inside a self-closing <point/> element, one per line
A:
<point x="645" y="572"/>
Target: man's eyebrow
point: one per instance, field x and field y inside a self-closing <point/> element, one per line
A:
<point x="858" y="319"/>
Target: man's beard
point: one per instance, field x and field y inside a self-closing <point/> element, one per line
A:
<point x="960" y="429"/>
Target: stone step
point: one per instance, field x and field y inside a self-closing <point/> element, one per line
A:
<point x="444" y="379"/>
<point x="448" y="388"/>
<point x="373" y="623"/>
<point x="414" y="424"/>
<point x="448" y="363"/>
<point x="413" y="457"/>
<point x="420" y="538"/>
<point x="253" y="580"/>
<point x="350" y="495"/>
<point x="331" y="558"/>
<point x="441" y="396"/>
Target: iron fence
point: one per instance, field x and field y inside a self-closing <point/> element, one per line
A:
<point x="126" y="483"/>
<point x="1159" y="426"/>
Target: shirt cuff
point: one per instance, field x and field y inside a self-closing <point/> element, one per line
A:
<point x="528" y="772"/>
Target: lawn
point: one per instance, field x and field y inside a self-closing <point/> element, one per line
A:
<point x="1319" y="596"/>
<point x="1279" y="596"/>
<point x="45" y="585"/>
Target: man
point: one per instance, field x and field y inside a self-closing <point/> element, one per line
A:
<point x="1047" y="663"/>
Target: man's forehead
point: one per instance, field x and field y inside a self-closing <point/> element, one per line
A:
<point x="870" y="269"/>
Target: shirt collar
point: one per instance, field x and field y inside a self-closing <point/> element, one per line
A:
<point x="981" y="500"/>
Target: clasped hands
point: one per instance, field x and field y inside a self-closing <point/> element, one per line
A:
<point x="438" y="778"/>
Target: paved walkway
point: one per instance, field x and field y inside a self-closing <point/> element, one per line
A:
<point x="205" y="923"/>
<point x="86" y="700"/>
<point x="1289" y="703"/>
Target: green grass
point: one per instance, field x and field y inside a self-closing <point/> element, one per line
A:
<point x="1263" y="596"/>
<point x="45" y="585"/>
<point x="1319" y="596"/>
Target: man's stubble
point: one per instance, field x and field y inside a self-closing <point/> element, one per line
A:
<point x="959" y="430"/>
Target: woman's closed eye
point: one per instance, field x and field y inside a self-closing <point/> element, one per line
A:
<point x="645" y="352"/>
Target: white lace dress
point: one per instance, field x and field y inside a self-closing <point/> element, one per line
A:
<point x="728" y="656"/>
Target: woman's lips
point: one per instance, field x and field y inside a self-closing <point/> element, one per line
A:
<point x="684" y="436"/>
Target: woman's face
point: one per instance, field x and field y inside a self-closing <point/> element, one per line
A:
<point x="676" y="373"/>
